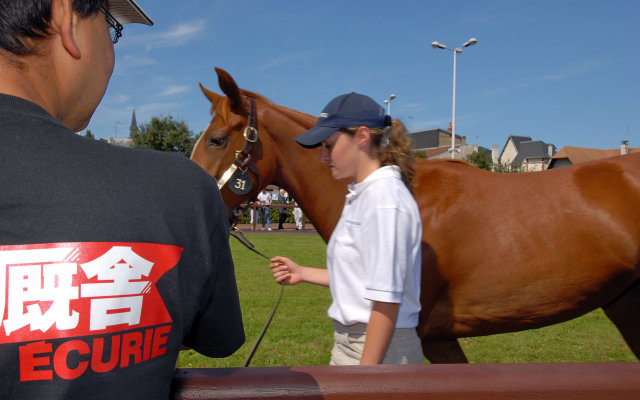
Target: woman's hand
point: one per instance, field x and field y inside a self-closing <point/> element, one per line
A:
<point x="287" y="271"/>
<point x="284" y="269"/>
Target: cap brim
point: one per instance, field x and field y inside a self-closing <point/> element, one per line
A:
<point x="128" y="12"/>
<point x="314" y="136"/>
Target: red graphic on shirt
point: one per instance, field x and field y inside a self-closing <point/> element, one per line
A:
<point x="73" y="290"/>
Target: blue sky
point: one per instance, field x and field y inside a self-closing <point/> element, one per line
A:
<point x="564" y="72"/>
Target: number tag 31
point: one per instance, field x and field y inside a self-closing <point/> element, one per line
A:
<point x="240" y="183"/>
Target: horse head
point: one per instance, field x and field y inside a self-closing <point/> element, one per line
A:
<point x="225" y="142"/>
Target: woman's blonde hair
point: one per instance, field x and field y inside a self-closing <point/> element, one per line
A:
<point x="393" y="147"/>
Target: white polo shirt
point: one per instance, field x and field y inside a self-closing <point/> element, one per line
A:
<point x="374" y="253"/>
<point x="264" y="198"/>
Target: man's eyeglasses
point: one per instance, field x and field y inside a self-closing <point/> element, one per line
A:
<point x="115" y="29"/>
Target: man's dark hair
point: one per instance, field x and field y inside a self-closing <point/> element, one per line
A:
<point x="21" y="20"/>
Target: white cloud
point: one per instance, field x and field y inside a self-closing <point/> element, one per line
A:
<point x="176" y="36"/>
<point x="413" y="108"/>
<point x="284" y="59"/>
<point x="156" y="108"/>
<point x="118" y="99"/>
<point x="130" y="62"/>
<point x="137" y="61"/>
<point x="495" y="91"/>
<point x="584" y="68"/>
<point x="175" y="89"/>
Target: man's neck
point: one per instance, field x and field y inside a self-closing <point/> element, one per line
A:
<point x="20" y="79"/>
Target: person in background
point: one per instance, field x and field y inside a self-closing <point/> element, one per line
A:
<point x="111" y="258"/>
<point x="374" y="253"/>
<point x="251" y="213"/>
<point x="282" y="211"/>
<point x="274" y="197"/>
<point x="297" y="214"/>
<point x="264" y="199"/>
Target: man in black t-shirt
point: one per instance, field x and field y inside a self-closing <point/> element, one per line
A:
<point x="111" y="258"/>
<point x="282" y="211"/>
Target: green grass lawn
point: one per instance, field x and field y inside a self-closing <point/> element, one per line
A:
<point x="302" y="334"/>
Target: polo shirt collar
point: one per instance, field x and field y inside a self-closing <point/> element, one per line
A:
<point x="388" y="171"/>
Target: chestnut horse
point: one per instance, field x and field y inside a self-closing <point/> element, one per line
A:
<point x="501" y="252"/>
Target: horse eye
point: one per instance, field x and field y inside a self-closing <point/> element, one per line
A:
<point x="218" y="141"/>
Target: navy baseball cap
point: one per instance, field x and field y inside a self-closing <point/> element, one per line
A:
<point x="345" y="111"/>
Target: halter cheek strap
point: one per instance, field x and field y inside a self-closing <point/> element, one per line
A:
<point x="243" y="157"/>
<point x="241" y="181"/>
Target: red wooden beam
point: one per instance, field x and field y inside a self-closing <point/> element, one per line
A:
<point x="617" y="381"/>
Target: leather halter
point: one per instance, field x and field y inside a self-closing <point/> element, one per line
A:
<point x="243" y="161"/>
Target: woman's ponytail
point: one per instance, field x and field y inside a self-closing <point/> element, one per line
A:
<point x="393" y="147"/>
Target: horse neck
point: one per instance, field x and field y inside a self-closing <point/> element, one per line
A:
<point x="301" y="173"/>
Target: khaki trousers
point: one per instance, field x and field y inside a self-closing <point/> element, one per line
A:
<point x="405" y="347"/>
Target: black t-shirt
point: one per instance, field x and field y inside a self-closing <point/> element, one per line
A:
<point x="110" y="259"/>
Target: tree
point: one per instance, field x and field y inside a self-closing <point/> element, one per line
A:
<point x="88" y="134"/>
<point x="508" y="168"/>
<point x="420" y="154"/>
<point x="480" y="159"/>
<point x="164" y="134"/>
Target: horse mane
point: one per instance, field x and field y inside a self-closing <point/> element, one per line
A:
<point x="301" y="118"/>
<point x="255" y="95"/>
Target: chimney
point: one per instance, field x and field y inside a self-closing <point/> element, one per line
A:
<point x="494" y="154"/>
<point x="624" y="147"/>
<point x="550" y="150"/>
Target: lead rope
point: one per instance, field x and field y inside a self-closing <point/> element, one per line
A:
<point x="235" y="232"/>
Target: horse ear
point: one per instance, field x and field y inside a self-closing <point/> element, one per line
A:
<point x="214" y="98"/>
<point x="230" y="88"/>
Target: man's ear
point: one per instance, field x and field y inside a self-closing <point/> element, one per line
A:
<point x="64" y="21"/>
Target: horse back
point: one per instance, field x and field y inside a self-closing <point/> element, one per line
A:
<point x="608" y="188"/>
<point x="551" y="244"/>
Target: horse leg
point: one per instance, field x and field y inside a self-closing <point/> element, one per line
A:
<point x="446" y="351"/>
<point x="623" y="312"/>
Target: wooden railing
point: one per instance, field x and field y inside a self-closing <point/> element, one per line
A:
<point x="615" y="381"/>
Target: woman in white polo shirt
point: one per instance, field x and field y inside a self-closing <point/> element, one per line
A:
<point x="374" y="254"/>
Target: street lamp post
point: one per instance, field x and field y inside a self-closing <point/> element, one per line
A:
<point x="437" y="45"/>
<point x="388" y="103"/>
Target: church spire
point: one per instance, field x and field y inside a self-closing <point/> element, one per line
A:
<point x="134" y="124"/>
